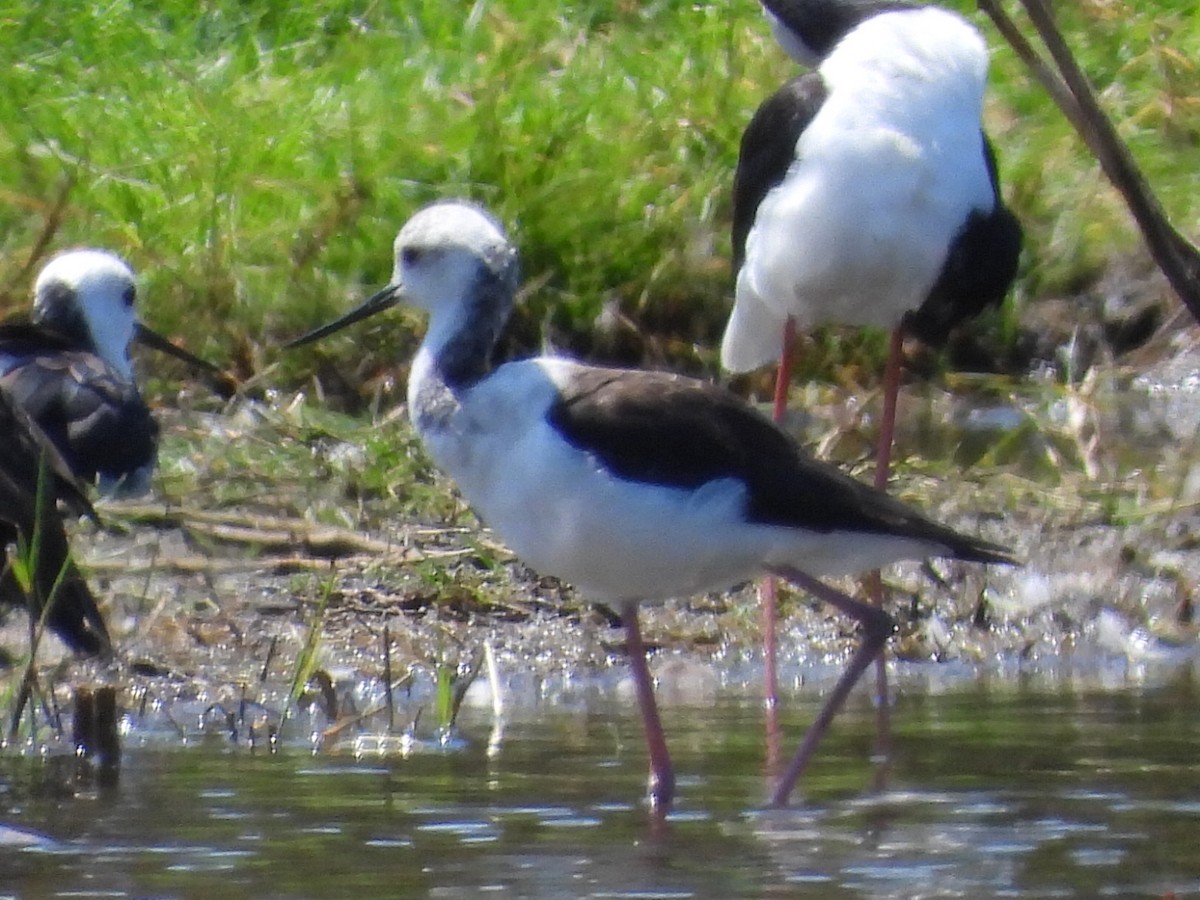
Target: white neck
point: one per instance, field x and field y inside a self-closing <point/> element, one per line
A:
<point x="431" y="399"/>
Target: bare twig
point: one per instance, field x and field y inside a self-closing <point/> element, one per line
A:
<point x="55" y="214"/>
<point x="1041" y="70"/>
<point x="1175" y="255"/>
<point x="267" y="533"/>
<point x="207" y="565"/>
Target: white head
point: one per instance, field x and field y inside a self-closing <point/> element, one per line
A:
<point x="89" y="295"/>
<point x="444" y="250"/>
<point x="452" y="260"/>
<point x="447" y="256"/>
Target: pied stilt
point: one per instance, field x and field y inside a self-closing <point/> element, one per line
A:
<point x="866" y="194"/>
<point x="632" y="485"/>
<point x="32" y="476"/>
<point x="68" y="366"/>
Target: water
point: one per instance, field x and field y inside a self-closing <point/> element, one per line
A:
<point x="1052" y="752"/>
<point x="1046" y="790"/>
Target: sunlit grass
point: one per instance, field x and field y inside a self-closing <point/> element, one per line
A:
<point x="253" y="162"/>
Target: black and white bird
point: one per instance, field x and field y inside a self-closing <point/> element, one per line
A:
<point x="68" y="366"/>
<point x="33" y="475"/>
<point x="632" y="485"/>
<point x="866" y="194"/>
<point x="866" y="191"/>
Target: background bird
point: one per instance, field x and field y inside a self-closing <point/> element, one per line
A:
<point x="866" y="194"/>
<point x="632" y="485"/>
<point x="68" y="366"/>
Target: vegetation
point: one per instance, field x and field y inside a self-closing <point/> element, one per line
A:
<point x="252" y="161"/>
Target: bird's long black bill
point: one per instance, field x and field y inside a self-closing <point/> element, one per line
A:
<point x="220" y="381"/>
<point x="384" y="299"/>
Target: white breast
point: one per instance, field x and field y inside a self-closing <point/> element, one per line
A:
<point x="559" y="510"/>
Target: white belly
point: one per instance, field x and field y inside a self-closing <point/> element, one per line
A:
<point x="616" y="539"/>
<point x="564" y="515"/>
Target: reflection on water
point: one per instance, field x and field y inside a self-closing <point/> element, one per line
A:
<point x="1008" y="792"/>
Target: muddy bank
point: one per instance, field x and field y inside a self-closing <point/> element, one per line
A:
<point x="276" y="528"/>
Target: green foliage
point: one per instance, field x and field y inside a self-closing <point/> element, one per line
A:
<point x="307" y="660"/>
<point x="253" y="161"/>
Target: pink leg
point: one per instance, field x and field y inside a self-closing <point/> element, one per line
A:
<point x="883" y="717"/>
<point x="883" y="468"/>
<point x="877" y="627"/>
<point x="783" y="375"/>
<point x="662" y="775"/>
<point x="767" y="597"/>
<point x="887" y="425"/>
<point x="767" y="587"/>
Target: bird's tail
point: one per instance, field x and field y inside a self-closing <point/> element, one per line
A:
<point x="753" y="337"/>
<point x="972" y="549"/>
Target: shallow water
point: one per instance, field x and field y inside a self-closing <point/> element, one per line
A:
<point x="1043" y="790"/>
<point x="1051" y="752"/>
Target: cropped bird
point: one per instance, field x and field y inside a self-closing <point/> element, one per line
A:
<point x="866" y="193"/>
<point x="68" y="366"/>
<point x="32" y="476"/>
<point x="632" y="485"/>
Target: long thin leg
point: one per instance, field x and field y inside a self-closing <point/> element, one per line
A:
<point x="877" y="627"/>
<point x="767" y="589"/>
<point x="887" y="425"/>
<point x="662" y="775"/>
<point x="768" y="599"/>
<point x="883" y="703"/>
<point x="883" y="471"/>
<point x="783" y="375"/>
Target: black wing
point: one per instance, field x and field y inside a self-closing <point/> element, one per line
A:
<point x="768" y="150"/>
<point x="96" y="418"/>
<point x="979" y="270"/>
<point x="29" y="518"/>
<point x="666" y="429"/>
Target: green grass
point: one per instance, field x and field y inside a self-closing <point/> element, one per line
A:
<point x="253" y="162"/>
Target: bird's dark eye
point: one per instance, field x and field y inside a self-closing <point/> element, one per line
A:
<point x="129" y="295"/>
<point x="410" y="256"/>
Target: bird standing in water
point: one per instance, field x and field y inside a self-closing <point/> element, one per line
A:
<point x="866" y="194"/>
<point x="632" y="485"/>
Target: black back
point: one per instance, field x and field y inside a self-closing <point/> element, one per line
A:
<point x="656" y="427"/>
<point x="96" y="418"/>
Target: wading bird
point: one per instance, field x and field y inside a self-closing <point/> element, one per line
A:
<point x="68" y="366"/>
<point x="632" y="485"/>
<point x="866" y="194"/>
<point x="32" y="476"/>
